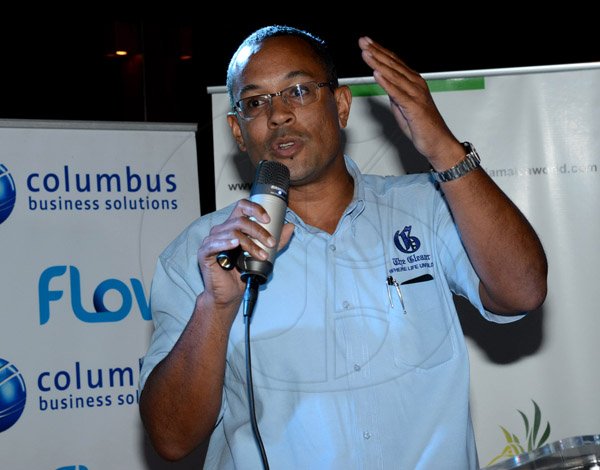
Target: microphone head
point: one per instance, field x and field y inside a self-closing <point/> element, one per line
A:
<point x="275" y="176"/>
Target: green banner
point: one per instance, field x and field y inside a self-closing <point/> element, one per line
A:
<point x="449" y="84"/>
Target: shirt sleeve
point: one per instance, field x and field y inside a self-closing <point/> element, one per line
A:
<point x="460" y="274"/>
<point x="172" y="301"/>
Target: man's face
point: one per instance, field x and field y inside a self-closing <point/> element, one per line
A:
<point x="304" y="138"/>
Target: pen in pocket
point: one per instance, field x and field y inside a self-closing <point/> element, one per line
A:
<point x="391" y="282"/>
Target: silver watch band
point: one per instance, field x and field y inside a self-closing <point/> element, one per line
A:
<point x="467" y="164"/>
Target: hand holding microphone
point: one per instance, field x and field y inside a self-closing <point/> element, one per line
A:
<point x="270" y="190"/>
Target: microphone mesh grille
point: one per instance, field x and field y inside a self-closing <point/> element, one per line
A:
<point x="273" y="173"/>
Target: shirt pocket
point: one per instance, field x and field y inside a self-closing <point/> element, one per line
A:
<point x="424" y="336"/>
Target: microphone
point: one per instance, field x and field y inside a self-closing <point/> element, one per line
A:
<point x="270" y="190"/>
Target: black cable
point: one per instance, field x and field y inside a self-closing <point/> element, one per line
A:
<point x="250" y="296"/>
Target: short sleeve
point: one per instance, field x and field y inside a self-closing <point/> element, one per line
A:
<point x="460" y="274"/>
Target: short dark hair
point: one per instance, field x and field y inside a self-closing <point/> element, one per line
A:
<point x="318" y="45"/>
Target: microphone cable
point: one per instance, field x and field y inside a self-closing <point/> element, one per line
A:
<point x="270" y="190"/>
<point x="250" y="297"/>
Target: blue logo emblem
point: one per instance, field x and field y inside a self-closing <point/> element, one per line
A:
<point x="12" y="395"/>
<point x="73" y="467"/>
<point x="8" y="193"/>
<point x="405" y="242"/>
<point x="101" y="313"/>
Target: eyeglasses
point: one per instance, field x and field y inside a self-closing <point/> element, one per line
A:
<point x="295" y="96"/>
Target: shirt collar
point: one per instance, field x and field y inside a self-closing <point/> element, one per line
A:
<point x="353" y="210"/>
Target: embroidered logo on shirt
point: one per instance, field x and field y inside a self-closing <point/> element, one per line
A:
<point x="405" y="242"/>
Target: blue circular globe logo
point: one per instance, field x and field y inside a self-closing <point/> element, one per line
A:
<point x="8" y="193"/>
<point x="12" y="395"/>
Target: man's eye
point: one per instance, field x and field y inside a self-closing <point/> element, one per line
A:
<point x="299" y="91"/>
<point x="255" y="102"/>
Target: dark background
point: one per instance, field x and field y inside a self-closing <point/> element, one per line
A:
<point x="62" y="66"/>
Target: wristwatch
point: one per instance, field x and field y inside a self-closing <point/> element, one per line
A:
<point x="470" y="162"/>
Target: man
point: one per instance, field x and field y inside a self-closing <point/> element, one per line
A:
<point x="356" y="363"/>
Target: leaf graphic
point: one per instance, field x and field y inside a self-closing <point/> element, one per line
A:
<point x="545" y="435"/>
<point x="537" y="417"/>
<point x="507" y="435"/>
<point x="526" y="421"/>
<point x="509" y="451"/>
<point x="513" y="445"/>
<point x="517" y="449"/>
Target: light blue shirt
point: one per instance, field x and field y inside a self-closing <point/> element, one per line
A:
<point x="349" y="372"/>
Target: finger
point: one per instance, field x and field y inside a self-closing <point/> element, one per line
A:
<point x="247" y="208"/>
<point x="246" y="219"/>
<point x="377" y="50"/>
<point x="245" y="238"/>
<point x="245" y="233"/>
<point x="401" y="83"/>
<point x="213" y="245"/>
<point x="401" y="88"/>
<point x="384" y="56"/>
<point x="384" y="60"/>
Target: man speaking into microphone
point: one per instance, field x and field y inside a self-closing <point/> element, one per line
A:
<point x="356" y="363"/>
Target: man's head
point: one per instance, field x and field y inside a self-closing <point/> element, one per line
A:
<point x="287" y="103"/>
<point x="318" y="46"/>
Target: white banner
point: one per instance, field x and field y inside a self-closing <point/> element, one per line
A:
<point x="538" y="131"/>
<point x="85" y="209"/>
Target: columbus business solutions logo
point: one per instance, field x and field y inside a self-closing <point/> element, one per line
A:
<point x="8" y="193"/>
<point x="72" y="388"/>
<point x="12" y="394"/>
<point x="128" y="189"/>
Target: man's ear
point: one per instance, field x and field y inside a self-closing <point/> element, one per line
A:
<point x="236" y="131"/>
<point x="343" y="98"/>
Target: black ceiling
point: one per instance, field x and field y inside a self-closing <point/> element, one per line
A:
<point x="55" y="67"/>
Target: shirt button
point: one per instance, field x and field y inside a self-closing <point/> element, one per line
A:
<point x="367" y="435"/>
<point x="356" y="367"/>
<point x="332" y="247"/>
<point x="346" y="304"/>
